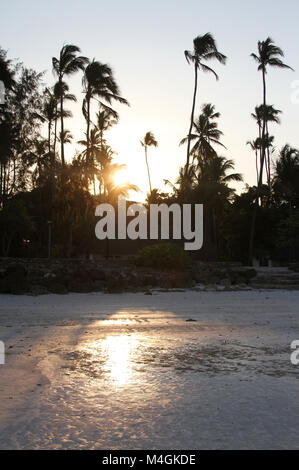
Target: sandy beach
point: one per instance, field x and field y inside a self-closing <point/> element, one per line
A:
<point x="173" y="370"/>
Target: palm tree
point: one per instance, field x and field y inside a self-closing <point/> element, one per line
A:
<point x="98" y="82"/>
<point x="66" y="137"/>
<point x="6" y="74"/>
<point x="214" y="173"/>
<point x="270" y="114"/>
<point x="106" y="118"/>
<point x="211" y="187"/>
<point x="286" y="177"/>
<point x="61" y="89"/>
<point x="90" y="155"/>
<point x="67" y="64"/>
<point x="149" y="140"/>
<point x="255" y="145"/>
<point x="204" y="49"/>
<point x="268" y="55"/>
<point x="48" y="113"/>
<point x="207" y="133"/>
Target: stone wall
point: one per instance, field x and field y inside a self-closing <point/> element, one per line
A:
<point x="60" y="276"/>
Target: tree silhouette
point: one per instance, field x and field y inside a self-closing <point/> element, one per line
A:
<point x="206" y="134"/>
<point x="149" y="140"/>
<point x="6" y="72"/>
<point x="269" y="55"/>
<point x="67" y="64"/>
<point x="204" y="50"/>
<point x="98" y="82"/>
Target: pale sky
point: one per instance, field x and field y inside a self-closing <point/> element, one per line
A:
<point x="144" y="42"/>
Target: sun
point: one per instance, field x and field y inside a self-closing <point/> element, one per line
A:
<point x="121" y="177"/>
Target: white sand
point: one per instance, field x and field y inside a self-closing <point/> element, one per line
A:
<point x="126" y="371"/>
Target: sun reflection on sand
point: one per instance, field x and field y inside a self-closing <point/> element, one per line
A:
<point x="116" y="354"/>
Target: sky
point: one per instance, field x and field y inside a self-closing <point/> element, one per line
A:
<point x="144" y="43"/>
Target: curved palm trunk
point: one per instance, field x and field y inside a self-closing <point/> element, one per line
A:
<point x="192" y="118"/>
<point x="148" y="171"/>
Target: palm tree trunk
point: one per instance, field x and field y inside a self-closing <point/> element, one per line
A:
<point x="49" y="137"/>
<point x="88" y="163"/>
<point x="52" y="169"/>
<point x="263" y="133"/>
<point x="55" y="131"/>
<point x="148" y="171"/>
<point x="256" y="166"/>
<point x="260" y="181"/>
<point x="192" y="118"/>
<point x="269" y="160"/>
<point x="62" y="127"/>
<point x="87" y="126"/>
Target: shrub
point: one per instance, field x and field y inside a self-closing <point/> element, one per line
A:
<point x="163" y="256"/>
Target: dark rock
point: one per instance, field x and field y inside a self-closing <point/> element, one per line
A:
<point x="176" y="280"/>
<point x="148" y="292"/>
<point x="14" y="280"/>
<point x="38" y="290"/>
<point x="56" y="288"/>
<point x="17" y="270"/>
<point x="226" y="282"/>
<point x="96" y="274"/>
<point x="116" y="285"/>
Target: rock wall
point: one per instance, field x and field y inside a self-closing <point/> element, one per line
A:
<point x="60" y="276"/>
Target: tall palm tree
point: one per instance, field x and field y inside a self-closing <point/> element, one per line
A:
<point x="67" y="64"/>
<point x="204" y="49"/>
<point x="99" y="82"/>
<point x="269" y="55"/>
<point x="149" y="140"/>
<point x="206" y="134"/>
<point x="48" y="113"/>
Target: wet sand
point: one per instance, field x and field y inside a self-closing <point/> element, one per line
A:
<point x="177" y="370"/>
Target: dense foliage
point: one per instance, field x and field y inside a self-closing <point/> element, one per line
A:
<point x="163" y="256"/>
<point x="47" y="204"/>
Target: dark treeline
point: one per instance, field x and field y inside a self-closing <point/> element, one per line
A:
<point x="43" y="194"/>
